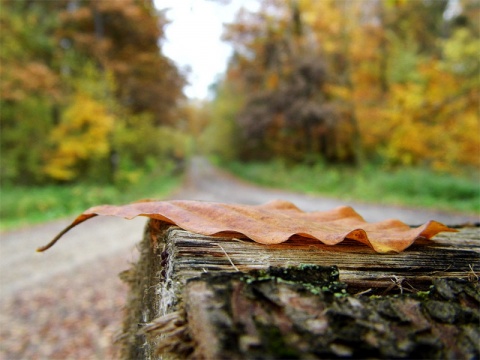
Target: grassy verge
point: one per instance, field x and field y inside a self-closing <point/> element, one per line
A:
<point x="21" y="206"/>
<point x="405" y="186"/>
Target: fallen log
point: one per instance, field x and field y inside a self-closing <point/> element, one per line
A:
<point x="203" y="297"/>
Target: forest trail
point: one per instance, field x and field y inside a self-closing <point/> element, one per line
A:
<point x="101" y="236"/>
<point x="72" y="291"/>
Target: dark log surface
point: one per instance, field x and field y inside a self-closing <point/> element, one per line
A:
<point x="193" y="295"/>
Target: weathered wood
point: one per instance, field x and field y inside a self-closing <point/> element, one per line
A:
<point x="168" y="315"/>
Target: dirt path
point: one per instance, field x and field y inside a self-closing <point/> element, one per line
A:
<point x="72" y="292"/>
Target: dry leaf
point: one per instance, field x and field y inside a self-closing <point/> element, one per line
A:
<point x="271" y="223"/>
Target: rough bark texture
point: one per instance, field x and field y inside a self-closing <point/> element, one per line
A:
<point x="209" y="298"/>
<point x="305" y="312"/>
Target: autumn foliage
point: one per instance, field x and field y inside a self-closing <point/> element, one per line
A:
<point x="85" y="90"/>
<point x="396" y="81"/>
<point x="343" y="81"/>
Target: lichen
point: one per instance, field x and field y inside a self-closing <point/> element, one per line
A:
<point x="314" y="278"/>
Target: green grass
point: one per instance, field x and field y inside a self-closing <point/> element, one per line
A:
<point x="404" y="186"/>
<point x="20" y="206"/>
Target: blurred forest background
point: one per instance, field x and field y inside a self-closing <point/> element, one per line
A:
<point x="91" y="109"/>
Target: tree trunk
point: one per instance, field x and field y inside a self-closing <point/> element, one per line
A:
<point x="201" y="297"/>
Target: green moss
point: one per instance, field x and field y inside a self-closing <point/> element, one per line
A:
<point x="423" y="295"/>
<point x="314" y="278"/>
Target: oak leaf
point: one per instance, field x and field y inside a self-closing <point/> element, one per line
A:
<point x="271" y="223"/>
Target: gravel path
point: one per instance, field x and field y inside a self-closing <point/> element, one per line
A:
<point x="67" y="303"/>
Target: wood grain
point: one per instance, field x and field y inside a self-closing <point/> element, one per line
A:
<point x="448" y="255"/>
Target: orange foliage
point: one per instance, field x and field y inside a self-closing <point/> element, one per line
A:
<point x="21" y="81"/>
<point x="123" y="36"/>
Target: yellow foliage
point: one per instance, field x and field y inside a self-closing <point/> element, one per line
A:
<point x="83" y="134"/>
<point x="408" y="80"/>
<point x="434" y="122"/>
<point x="339" y="92"/>
<point x="431" y="118"/>
<point x="461" y="52"/>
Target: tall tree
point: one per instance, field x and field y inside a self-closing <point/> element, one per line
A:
<point x="395" y="78"/>
<point x="124" y="36"/>
<point x="29" y="88"/>
<point x="288" y="112"/>
<point x="106" y="55"/>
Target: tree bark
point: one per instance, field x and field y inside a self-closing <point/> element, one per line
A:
<point x="202" y="297"/>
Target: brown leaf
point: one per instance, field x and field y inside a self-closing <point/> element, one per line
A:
<point x="271" y="223"/>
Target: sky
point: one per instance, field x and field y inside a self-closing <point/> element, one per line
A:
<point x="193" y="38"/>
